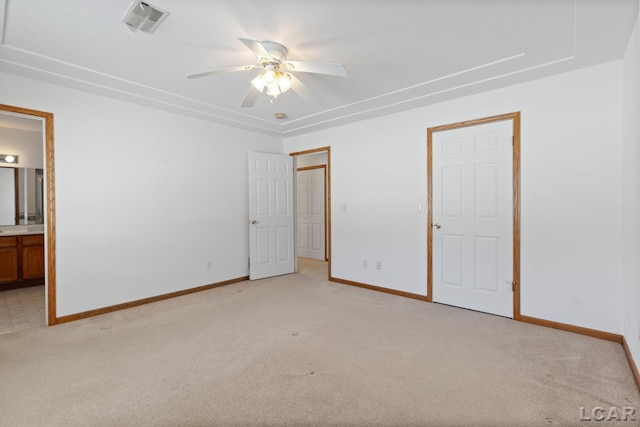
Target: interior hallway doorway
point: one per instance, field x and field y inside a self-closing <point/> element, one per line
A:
<point x="313" y="206"/>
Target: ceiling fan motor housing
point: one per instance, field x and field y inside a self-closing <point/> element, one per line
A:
<point x="276" y="50"/>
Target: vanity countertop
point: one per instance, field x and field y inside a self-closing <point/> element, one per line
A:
<point x="20" y="232"/>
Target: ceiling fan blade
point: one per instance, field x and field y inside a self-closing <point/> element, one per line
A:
<point x="303" y="90"/>
<point x="222" y="71"/>
<point x="256" y="47"/>
<point x="317" y="67"/>
<point x="251" y="97"/>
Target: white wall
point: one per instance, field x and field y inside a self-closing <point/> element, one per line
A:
<point x="631" y="193"/>
<point x="144" y="198"/>
<point x="26" y="144"/>
<point x="571" y="256"/>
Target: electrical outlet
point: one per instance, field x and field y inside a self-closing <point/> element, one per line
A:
<point x="378" y="265"/>
<point x="208" y="264"/>
<point x="364" y="263"/>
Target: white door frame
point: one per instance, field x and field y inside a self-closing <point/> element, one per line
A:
<point x="327" y="201"/>
<point x="515" y="118"/>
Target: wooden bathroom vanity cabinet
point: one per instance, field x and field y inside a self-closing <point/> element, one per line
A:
<point x="21" y="261"/>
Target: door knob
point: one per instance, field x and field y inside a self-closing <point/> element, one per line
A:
<point x="253" y="222"/>
<point x="436" y="226"/>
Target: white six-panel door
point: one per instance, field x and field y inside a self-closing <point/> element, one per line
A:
<point x="271" y="246"/>
<point x="473" y="217"/>
<point x="311" y="212"/>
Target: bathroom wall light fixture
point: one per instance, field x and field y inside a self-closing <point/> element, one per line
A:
<point x="8" y="158"/>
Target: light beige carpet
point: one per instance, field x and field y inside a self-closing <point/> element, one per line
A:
<point x="299" y="350"/>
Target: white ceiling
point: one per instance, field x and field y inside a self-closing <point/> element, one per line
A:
<point x="399" y="54"/>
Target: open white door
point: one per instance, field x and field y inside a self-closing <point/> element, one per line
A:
<point x="473" y="217"/>
<point x="271" y="242"/>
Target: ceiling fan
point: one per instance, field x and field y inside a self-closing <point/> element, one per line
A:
<point x="276" y="72"/>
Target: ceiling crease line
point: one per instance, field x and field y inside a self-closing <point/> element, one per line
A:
<point x="3" y="20"/>
<point x="575" y="26"/>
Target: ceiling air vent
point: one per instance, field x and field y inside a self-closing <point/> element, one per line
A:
<point x="144" y="17"/>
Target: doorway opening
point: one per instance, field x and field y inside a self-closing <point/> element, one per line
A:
<point x="473" y="189"/>
<point x="311" y="211"/>
<point x="46" y="120"/>
<point x="309" y="162"/>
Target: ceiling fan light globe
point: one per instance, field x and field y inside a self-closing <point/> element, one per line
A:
<point x="273" y="90"/>
<point x="284" y="82"/>
<point x="269" y="77"/>
<point x="258" y="83"/>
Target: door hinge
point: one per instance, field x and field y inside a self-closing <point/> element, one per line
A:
<point x="513" y="140"/>
<point x="513" y="285"/>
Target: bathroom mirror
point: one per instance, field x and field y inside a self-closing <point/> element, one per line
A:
<point x="21" y="196"/>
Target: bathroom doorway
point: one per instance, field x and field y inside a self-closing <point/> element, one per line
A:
<point x="30" y="303"/>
